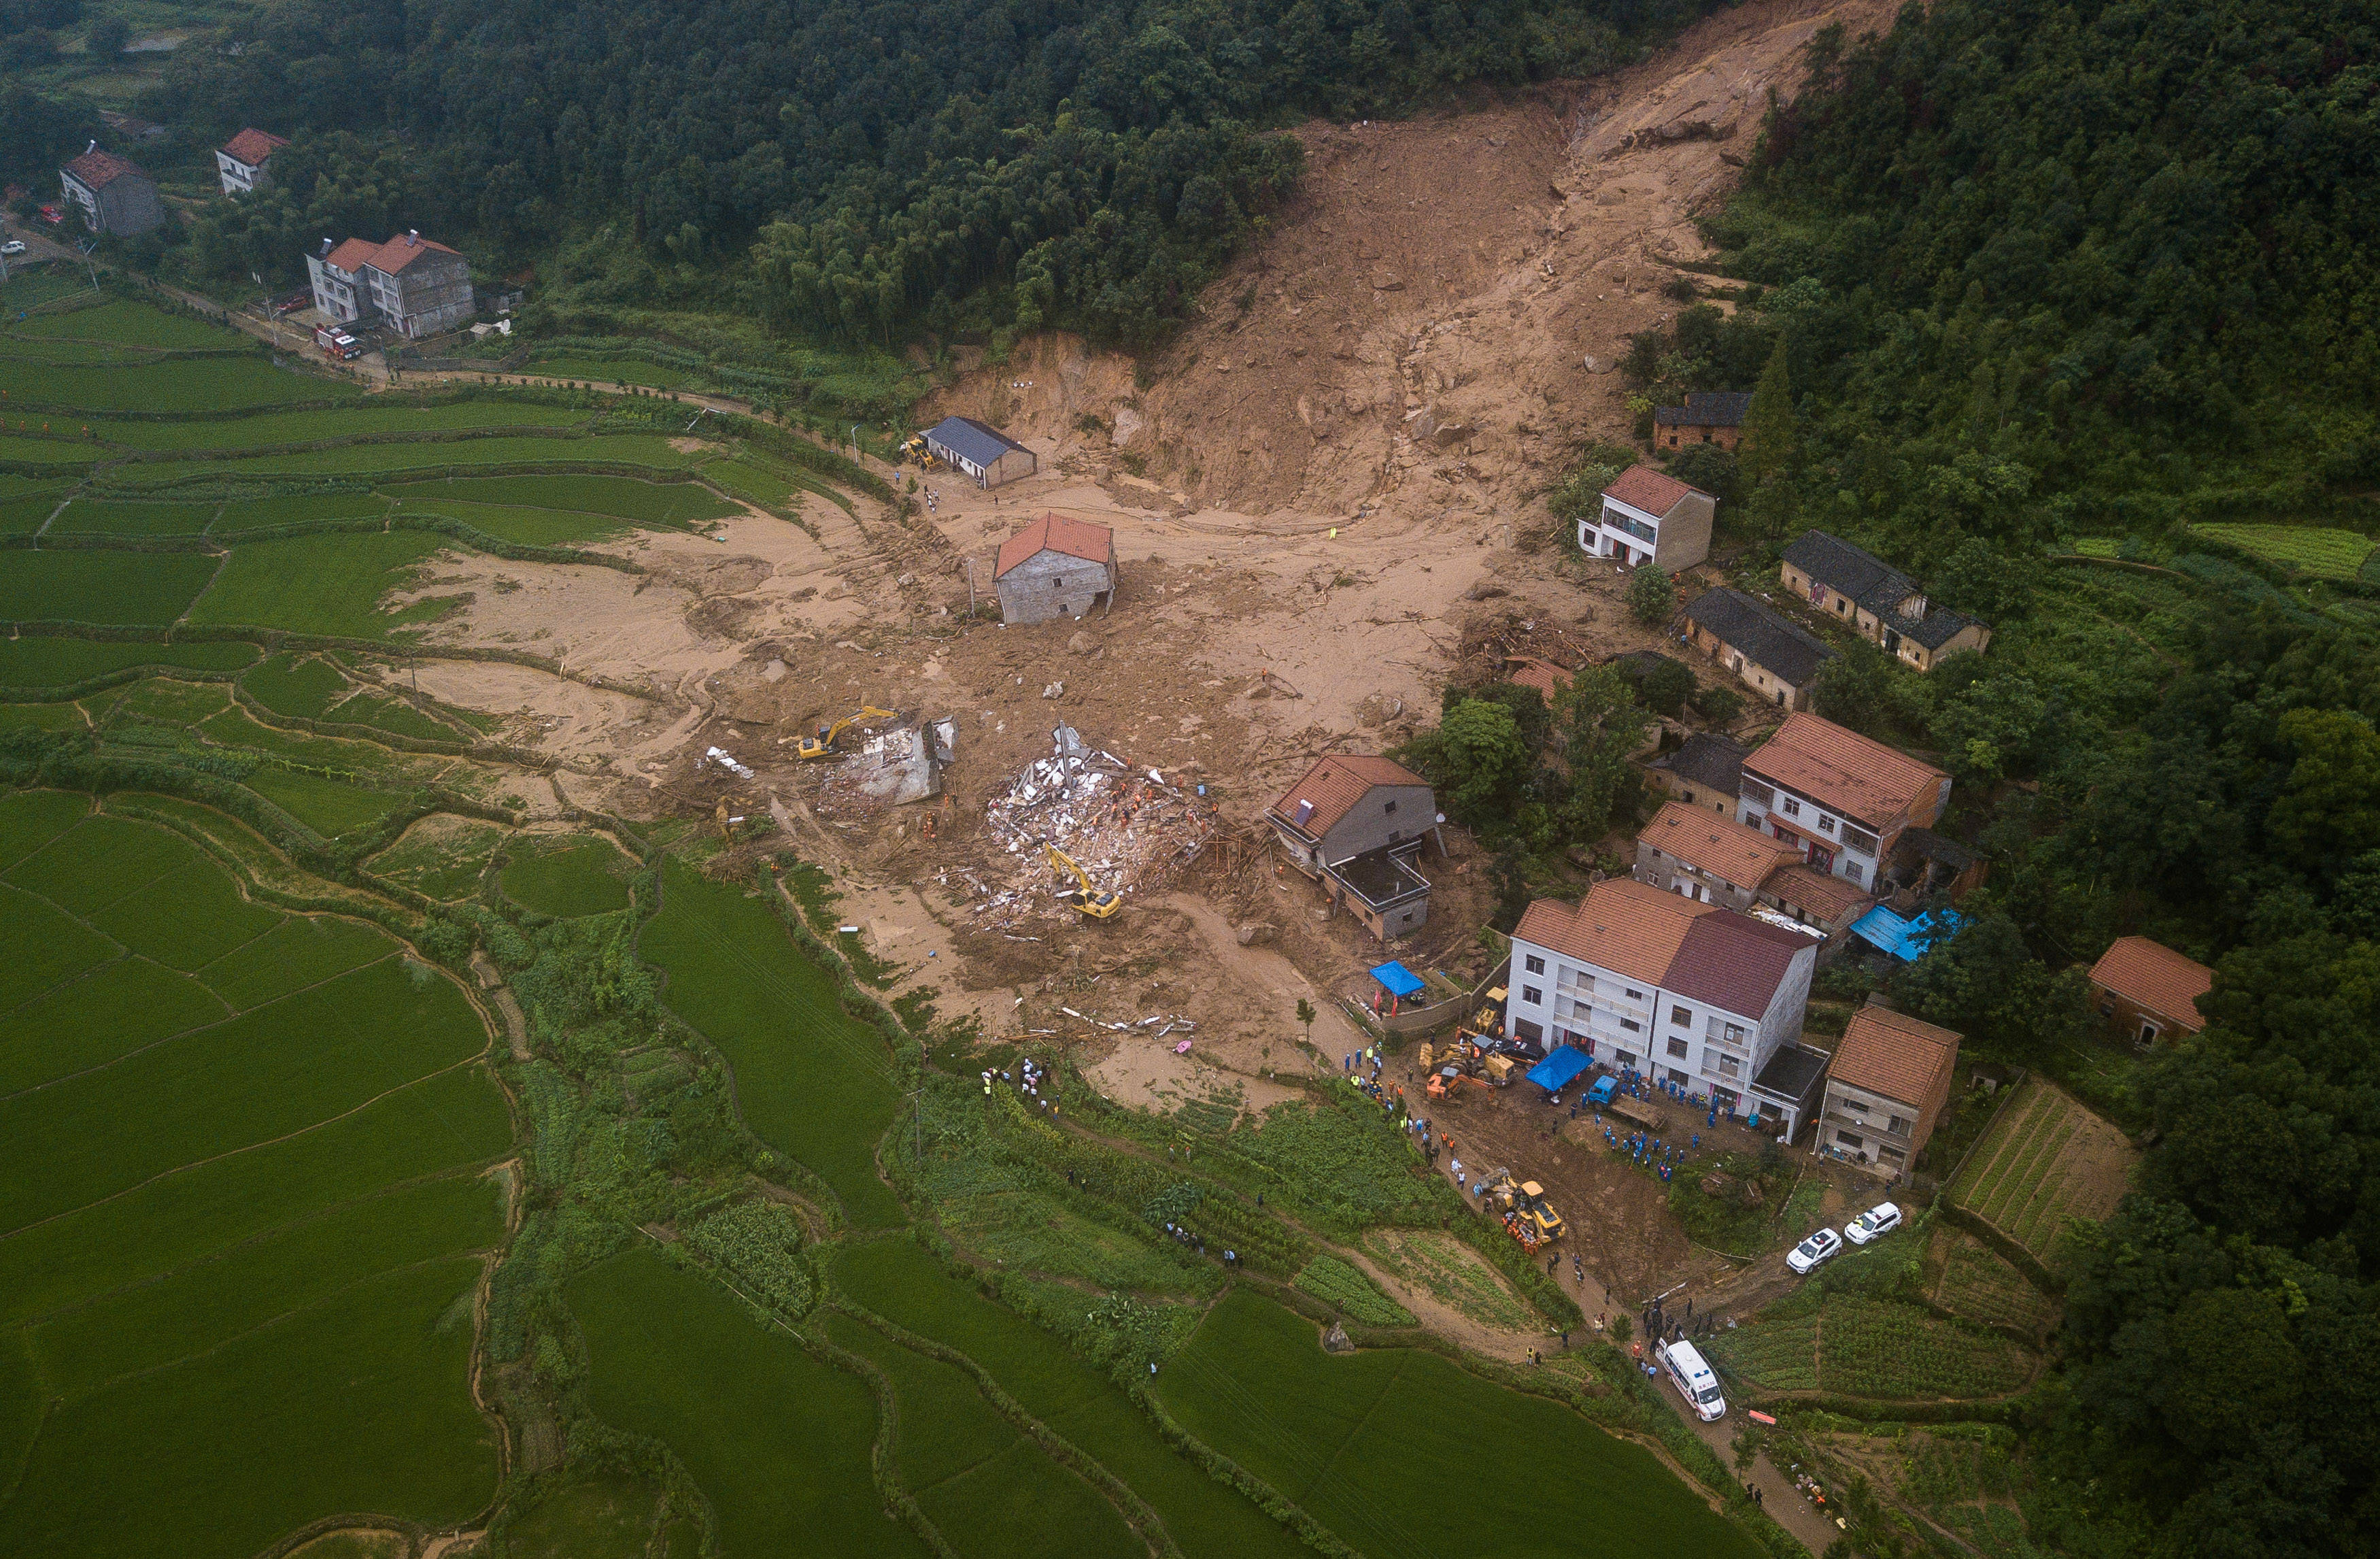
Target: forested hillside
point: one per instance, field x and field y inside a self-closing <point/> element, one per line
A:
<point x="987" y="162"/>
<point x="2037" y="279"/>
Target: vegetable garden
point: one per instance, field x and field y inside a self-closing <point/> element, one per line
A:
<point x="2045" y="1160"/>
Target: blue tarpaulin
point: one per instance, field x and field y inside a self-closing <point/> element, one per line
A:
<point x="1556" y="1070"/>
<point x="1396" y="980"/>
<point x="1905" y="940"/>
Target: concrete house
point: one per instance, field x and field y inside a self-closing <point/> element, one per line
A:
<point x="1356" y="824"/>
<point x="245" y="161"/>
<point x="1891" y="1078"/>
<point x="2147" y="991"/>
<point x="1650" y="517"/>
<point x="981" y="450"/>
<point x="1708" y="416"/>
<point x="1688" y="994"/>
<point x="1837" y="797"/>
<point x="1710" y="859"/>
<point x="1774" y="658"/>
<point x="116" y="196"/>
<point x="1704" y="772"/>
<point x="414" y="285"/>
<point x="1878" y="600"/>
<point x="1715" y="860"/>
<point x="1055" y="568"/>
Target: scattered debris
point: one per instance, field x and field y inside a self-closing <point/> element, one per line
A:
<point x="719" y="755"/>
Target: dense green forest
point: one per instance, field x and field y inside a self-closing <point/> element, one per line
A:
<point x="972" y="163"/>
<point x="2022" y="273"/>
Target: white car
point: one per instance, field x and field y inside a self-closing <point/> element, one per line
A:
<point x="14" y="245"/>
<point x="1815" y="1249"/>
<point x="1875" y="1224"/>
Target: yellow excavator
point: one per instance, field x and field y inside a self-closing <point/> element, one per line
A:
<point x="1085" y="897"/>
<point x="913" y="448"/>
<point x="822" y="745"/>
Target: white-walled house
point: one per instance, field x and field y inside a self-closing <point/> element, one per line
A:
<point x="1841" y="799"/>
<point x="243" y="163"/>
<point x="1682" y="992"/>
<point x="1650" y="517"/>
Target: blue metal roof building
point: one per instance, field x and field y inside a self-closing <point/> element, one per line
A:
<point x="980" y="450"/>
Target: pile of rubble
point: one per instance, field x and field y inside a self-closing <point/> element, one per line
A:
<point x="1130" y="829"/>
<point x="901" y="764"/>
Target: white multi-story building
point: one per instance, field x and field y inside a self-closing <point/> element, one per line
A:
<point x="1683" y="992"/>
<point x="1650" y="517"/>
<point x="1839" y="798"/>
<point x="244" y="163"/>
<point x="415" y="284"/>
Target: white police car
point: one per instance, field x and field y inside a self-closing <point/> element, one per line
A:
<point x="1815" y="1249"/>
<point x="1875" y="1224"/>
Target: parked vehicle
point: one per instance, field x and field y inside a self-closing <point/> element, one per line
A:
<point x="1818" y="1247"/>
<point x="1875" y="1224"/>
<point x="1696" y="1381"/>
<point x="338" y="343"/>
<point x="1603" y="1092"/>
<point x="14" y="245"/>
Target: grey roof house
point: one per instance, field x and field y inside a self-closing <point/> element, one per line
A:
<point x="1773" y="657"/>
<point x="1704" y="772"/>
<point x="1708" y="416"/>
<point x="1857" y="588"/>
<point x="980" y="450"/>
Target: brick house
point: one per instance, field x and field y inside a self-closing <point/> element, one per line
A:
<point x="1648" y="516"/>
<point x="2148" y="991"/>
<point x="1055" y="568"/>
<point x="1356" y="823"/>
<point x="1704" y="772"/>
<point x="414" y="285"/>
<point x="1687" y="993"/>
<point x="1837" y="796"/>
<point x="1708" y="416"/>
<point x="1776" y="659"/>
<point x="1536" y="671"/>
<point x="245" y="161"/>
<point x="1891" y="1078"/>
<point x="1883" y="605"/>
<point x="114" y="194"/>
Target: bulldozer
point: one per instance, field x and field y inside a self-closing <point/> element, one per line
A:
<point x="1528" y="1217"/>
<point x="822" y="745"/>
<point x="1446" y="1083"/>
<point x="913" y="448"/>
<point x="1085" y="897"/>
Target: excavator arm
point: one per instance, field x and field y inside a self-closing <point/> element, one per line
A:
<point x="1086" y="897"/>
<point x="822" y="745"/>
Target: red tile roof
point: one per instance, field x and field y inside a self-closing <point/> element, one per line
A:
<point x="1536" y="671"/>
<point x="403" y="251"/>
<point x="1335" y="784"/>
<point x="1698" y="951"/>
<point x="1641" y="487"/>
<point x="1734" y="962"/>
<point x="1894" y="1055"/>
<point x="1844" y="771"/>
<point x="252" y="147"/>
<point x="2150" y="975"/>
<point x="1813" y="891"/>
<point x="350" y="256"/>
<point x="97" y="170"/>
<point x="1056" y="532"/>
<point x="1729" y="850"/>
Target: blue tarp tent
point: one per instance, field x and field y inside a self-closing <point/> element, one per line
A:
<point x="1556" y="1070"/>
<point x="1905" y="940"/>
<point x="1396" y="980"/>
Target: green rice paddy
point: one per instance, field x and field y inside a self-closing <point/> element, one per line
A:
<point x="109" y="588"/>
<point x="63" y="663"/>
<point x="659" y="503"/>
<point x="812" y="1082"/>
<point x="1353" y="1437"/>
<point x="326" y="584"/>
<point x="567" y="877"/>
<point x="242" y="1213"/>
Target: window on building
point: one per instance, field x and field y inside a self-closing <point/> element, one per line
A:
<point x="1533" y="996"/>
<point x="1631" y="1025"/>
<point x="1735" y="1033"/>
<point x="2148" y="1033"/>
<point x="1826" y="824"/>
<point x="1859" y="839"/>
<point x="1682" y="1017"/>
<point x="1753" y="790"/>
<point x="1852" y="870"/>
<point x="1389" y="808"/>
<point x="1635" y="996"/>
<point x="2107" y="1006"/>
<point x="1729" y="1067"/>
<point x="1849" y="1140"/>
<point x="1678" y="1049"/>
<point x="1793" y="807"/>
<point x="1533" y="964"/>
<point x="1898" y="1126"/>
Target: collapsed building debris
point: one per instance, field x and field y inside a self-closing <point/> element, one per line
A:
<point x="901" y="764"/>
<point x="1129" y="827"/>
<point x="720" y="756"/>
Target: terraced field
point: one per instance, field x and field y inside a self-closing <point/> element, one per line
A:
<point x="2045" y="1160"/>
<point x="247" y="1205"/>
<point x="1854" y="1347"/>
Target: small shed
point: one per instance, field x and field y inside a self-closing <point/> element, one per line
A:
<point x="1055" y="568"/>
<point x="982" y="451"/>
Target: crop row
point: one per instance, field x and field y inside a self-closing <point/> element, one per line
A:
<point x="1875" y="1348"/>
<point x="1348" y="1291"/>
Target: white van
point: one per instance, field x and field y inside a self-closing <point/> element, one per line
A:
<point x="1694" y="1379"/>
